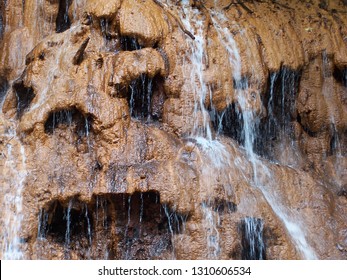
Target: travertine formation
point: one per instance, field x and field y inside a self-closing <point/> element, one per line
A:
<point x="101" y="119"/>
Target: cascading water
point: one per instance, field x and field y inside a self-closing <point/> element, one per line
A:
<point x="261" y="173"/>
<point x="215" y="155"/>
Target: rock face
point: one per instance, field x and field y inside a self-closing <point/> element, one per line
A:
<point x="161" y="130"/>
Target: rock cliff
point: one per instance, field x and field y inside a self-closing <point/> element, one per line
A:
<point x="161" y="129"/>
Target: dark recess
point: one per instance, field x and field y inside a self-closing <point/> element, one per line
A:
<point x="63" y="21"/>
<point x="146" y="98"/>
<point x="136" y="226"/>
<point x="229" y="122"/>
<point x="1" y="25"/>
<point x="252" y="239"/>
<point x="24" y="97"/>
<point x="129" y="44"/>
<point x="340" y="75"/>
<point x="69" y="118"/>
<point x="280" y="103"/>
<point x="222" y="206"/>
<point x="3" y="88"/>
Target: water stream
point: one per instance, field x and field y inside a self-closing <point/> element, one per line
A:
<point x="218" y="156"/>
<point x="15" y="172"/>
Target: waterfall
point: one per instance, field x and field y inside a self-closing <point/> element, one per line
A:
<point x="195" y="71"/>
<point x="263" y="179"/>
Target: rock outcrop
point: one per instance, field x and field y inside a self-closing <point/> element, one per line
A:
<point x="106" y="120"/>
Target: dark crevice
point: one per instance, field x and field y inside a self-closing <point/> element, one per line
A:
<point x="280" y="103"/>
<point x="146" y="98"/>
<point x="222" y="206"/>
<point x="340" y="75"/>
<point x="24" y="97"/>
<point x="252" y="239"/>
<point x="2" y="27"/>
<point x="63" y="21"/>
<point x="3" y="88"/>
<point x="65" y="220"/>
<point x="119" y="226"/>
<point x="342" y="192"/>
<point x="338" y="142"/>
<point x="334" y="143"/>
<point x="2" y="18"/>
<point x="110" y="35"/>
<point x="229" y="122"/>
<point x="69" y="118"/>
<point x="129" y="44"/>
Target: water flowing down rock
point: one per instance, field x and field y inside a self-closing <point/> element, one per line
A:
<point x="163" y="129"/>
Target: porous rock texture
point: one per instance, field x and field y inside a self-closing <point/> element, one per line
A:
<point x="101" y="169"/>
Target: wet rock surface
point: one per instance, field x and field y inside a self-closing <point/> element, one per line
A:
<point x="124" y="129"/>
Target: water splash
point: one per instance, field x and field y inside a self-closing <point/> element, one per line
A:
<point x="212" y="220"/>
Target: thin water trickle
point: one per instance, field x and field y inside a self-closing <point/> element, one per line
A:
<point x="195" y="71"/>
<point x="272" y="124"/>
<point x="170" y="228"/>
<point x="87" y="128"/>
<point x="126" y="238"/>
<point x="141" y="213"/>
<point x="89" y="228"/>
<point x="68" y="225"/>
<point x="43" y="223"/>
<point x="212" y="220"/>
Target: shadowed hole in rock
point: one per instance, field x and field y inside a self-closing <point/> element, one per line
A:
<point x="280" y="103"/>
<point x="65" y="220"/>
<point x="334" y="142"/>
<point x="24" y="96"/>
<point x="105" y="28"/>
<point x="63" y="21"/>
<point x="340" y="75"/>
<point x="69" y="118"/>
<point x="3" y="88"/>
<point x="1" y="25"/>
<point x="129" y="44"/>
<point x="338" y="141"/>
<point x="146" y="98"/>
<point x="342" y="192"/>
<point x="112" y="226"/>
<point x="252" y="239"/>
<point x="230" y="123"/>
<point x="110" y="35"/>
<point x="221" y="206"/>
